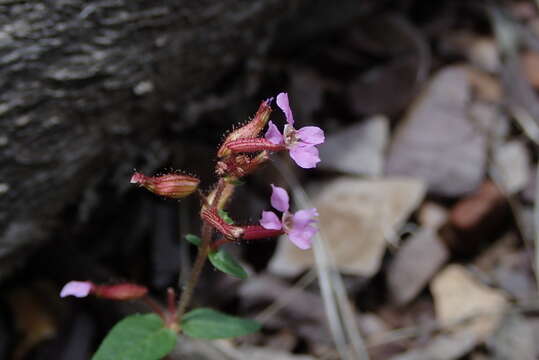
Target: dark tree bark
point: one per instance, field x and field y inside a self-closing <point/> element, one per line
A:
<point x="85" y="84"/>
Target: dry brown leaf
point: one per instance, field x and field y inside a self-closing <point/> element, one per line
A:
<point x="32" y="319"/>
<point x="464" y="305"/>
<point x="530" y="63"/>
<point x="356" y="218"/>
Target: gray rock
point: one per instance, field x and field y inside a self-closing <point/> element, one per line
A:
<point x="437" y="142"/>
<point x="357" y="149"/>
<point x="406" y="276"/>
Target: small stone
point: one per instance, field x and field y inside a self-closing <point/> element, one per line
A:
<point x="433" y="216"/>
<point x="3" y="140"/>
<point x="511" y="166"/>
<point x="464" y="304"/>
<point x="406" y="276"/>
<point x="143" y="88"/>
<point x="483" y="52"/>
<point x="23" y="121"/>
<point x="358" y="149"/>
<point x="4" y="188"/>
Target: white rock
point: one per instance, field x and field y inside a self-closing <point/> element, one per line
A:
<point x="512" y="166"/>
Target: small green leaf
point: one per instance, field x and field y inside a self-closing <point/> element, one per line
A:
<point x="206" y="323"/>
<point x="224" y="215"/>
<point x="223" y="261"/>
<point x="193" y="239"/>
<point x="237" y="182"/>
<point x="137" y="337"/>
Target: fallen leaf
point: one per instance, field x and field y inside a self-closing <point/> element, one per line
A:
<point x="32" y="319"/>
<point x="464" y="305"/>
<point x="356" y="218"/>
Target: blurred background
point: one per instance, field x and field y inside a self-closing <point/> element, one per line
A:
<point x="426" y="189"/>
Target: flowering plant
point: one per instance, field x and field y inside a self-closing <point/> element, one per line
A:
<point x="152" y="336"/>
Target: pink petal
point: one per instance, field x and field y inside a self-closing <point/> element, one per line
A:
<point x="270" y="221"/>
<point x="76" y="288"/>
<point x="306" y="156"/>
<point x="279" y="198"/>
<point x="304" y="218"/>
<point x="302" y="239"/>
<point x="312" y="135"/>
<point x="273" y="134"/>
<point x="282" y="102"/>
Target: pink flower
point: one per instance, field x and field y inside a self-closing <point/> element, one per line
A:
<point x="301" y="143"/>
<point x="298" y="226"/>
<point x="77" y="288"/>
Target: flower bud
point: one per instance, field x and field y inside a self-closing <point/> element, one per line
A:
<point x="123" y="291"/>
<point x="174" y="186"/>
<point x="211" y="217"/>
<point x="252" y="145"/>
<point x="253" y="232"/>
<point x="250" y="130"/>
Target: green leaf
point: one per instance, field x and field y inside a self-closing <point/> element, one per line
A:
<point x="206" y="323"/>
<point x="193" y="239"/>
<point x="223" y="261"/>
<point x="137" y="337"/>
<point x="224" y="215"/>
<point x="237" y="182"/>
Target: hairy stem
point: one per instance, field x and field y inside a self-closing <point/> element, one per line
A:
<point x="202" y="255"/>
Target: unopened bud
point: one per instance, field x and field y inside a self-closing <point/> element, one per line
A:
<point x="174" y="186"/>
<point x="253" y="145"/>
<point x="253" y="232"/>
<point x="211" y="217"/>
<point x="124" y="291"/>
<point x="250" y="130"/>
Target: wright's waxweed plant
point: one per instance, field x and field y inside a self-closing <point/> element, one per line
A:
<point x="152" y="336"/>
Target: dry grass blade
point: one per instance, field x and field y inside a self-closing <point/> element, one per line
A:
<point x="343" y="327"/>
<point x="522" y="100"/>
<point x="536" y="226"/>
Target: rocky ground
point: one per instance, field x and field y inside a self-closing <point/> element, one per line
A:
<point x="426" y="193"/>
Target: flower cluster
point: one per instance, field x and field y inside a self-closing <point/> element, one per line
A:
<point x="243" y="151"/>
